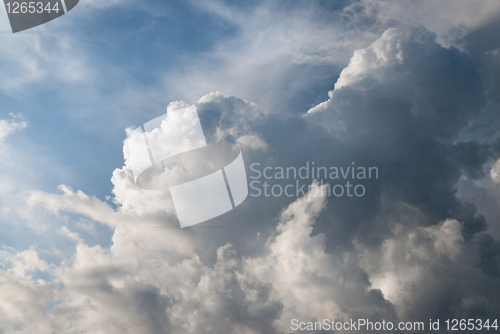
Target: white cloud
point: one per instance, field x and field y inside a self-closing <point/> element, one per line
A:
<point x="485" y="194"/>
<point x="21" y="300"/>
<point x="8" y="127"/>
<point x="260" y="63"/>
<point x="67" y="233"/>
<point x="417" y="268"/>
<point x="440" y="17"/>
<point x="495" y="172"/>
<point x="22" y="264"/>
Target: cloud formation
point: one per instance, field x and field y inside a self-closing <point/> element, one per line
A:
<point x="8" y="127"/>
<point x="411" y="249"/>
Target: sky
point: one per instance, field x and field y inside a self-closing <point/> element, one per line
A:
<point x="412" y="89"/>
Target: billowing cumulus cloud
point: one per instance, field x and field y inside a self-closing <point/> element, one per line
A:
<point x="417" y="246"/>
<point x="406" y="98"/>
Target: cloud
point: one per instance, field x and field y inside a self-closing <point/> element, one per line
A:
<point x="21" y="300"/>
<point x="71" y="235"/>
<point x="402" y="98"/>
<point x="22" y="264"/>
<point x="495" y="172"/>
<point x="401" y="66"/>
<point x="417" y="270"/>
<point x="440" y="17"/>
<point x="251" y="142"/>
<point x="74" y="201"/>
<point x="310" y="282"/>
<point x="399" y="102"/>
<point x="8" y="127"/>
<point x="280" y="57"/>
<point x="145" y="286"/>
<point x="485" y="194"/>
<point x="410" y="249"/>
<point x="30" y="58"/>
<point x="284" y="57"/>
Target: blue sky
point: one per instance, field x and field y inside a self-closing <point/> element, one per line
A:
<point x="411" y="89"/>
